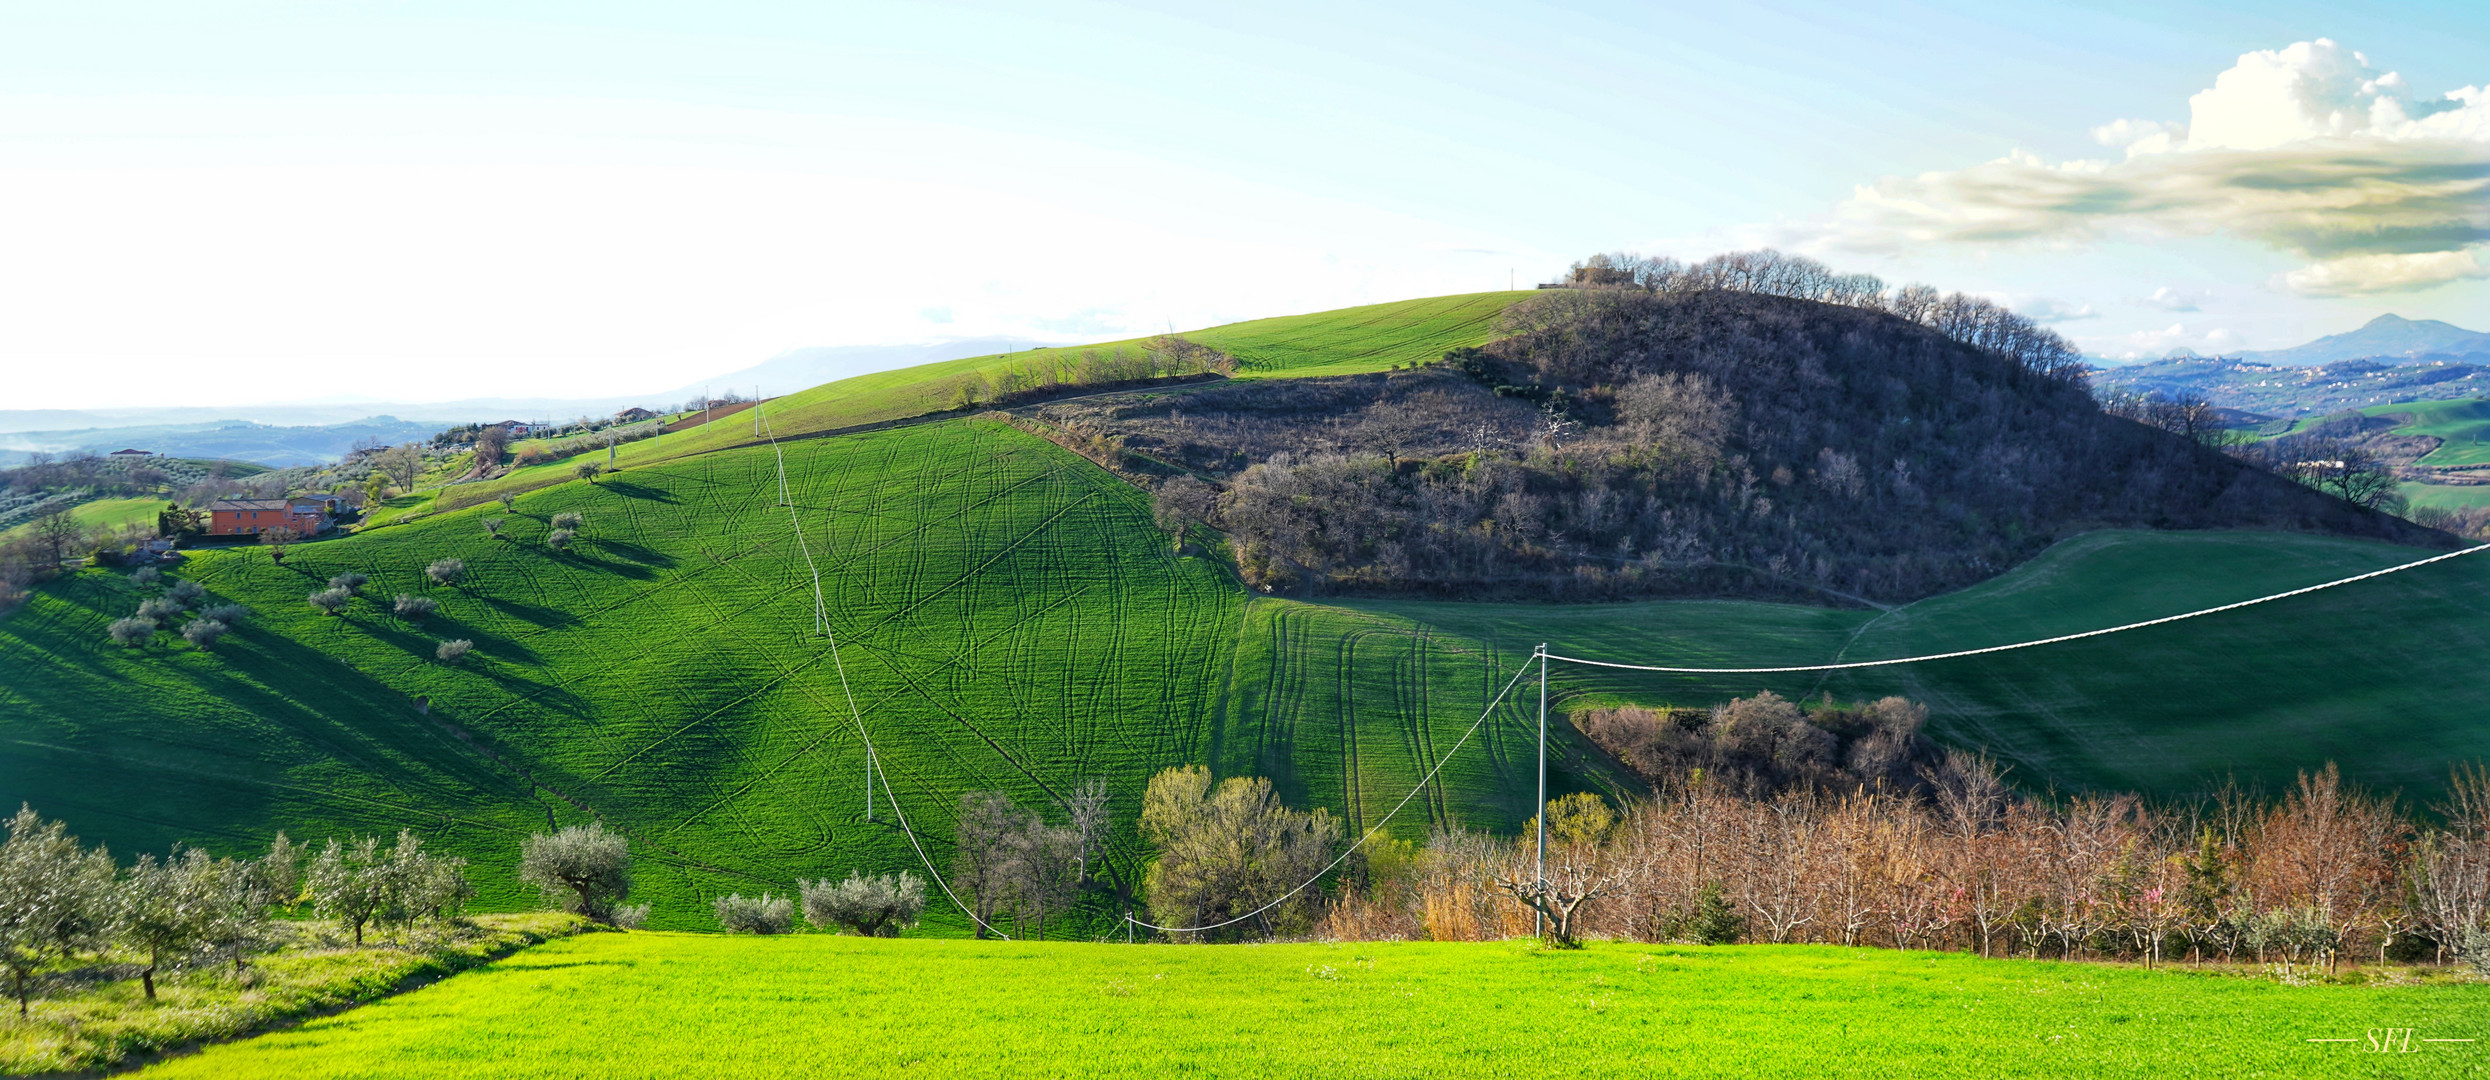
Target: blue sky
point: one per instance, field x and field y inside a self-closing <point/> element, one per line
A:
<point x="440" y="200"/>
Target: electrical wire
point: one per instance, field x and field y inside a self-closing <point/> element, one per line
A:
<point x="1370" y="833"/>
<point x="873" y="760"/>
<point x="2020" y="644"/>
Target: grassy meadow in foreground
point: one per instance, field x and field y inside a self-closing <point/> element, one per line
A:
<point x="652" y="1005"/>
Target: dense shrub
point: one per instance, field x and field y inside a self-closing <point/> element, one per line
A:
<point x="868" y="906"/>
<point x="763" y="914"/>
<point x="583" y="869"/>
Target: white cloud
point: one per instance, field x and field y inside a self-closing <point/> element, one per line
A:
<point x="2306" y="149"/>
<point x="2384" y="273"/>
<point x="2043" y="309"/>
<point x="2170" y="299"/>
<point x="2155" y="344"/>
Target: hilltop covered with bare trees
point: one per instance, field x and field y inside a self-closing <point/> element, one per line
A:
<point x="1754" y="424"/>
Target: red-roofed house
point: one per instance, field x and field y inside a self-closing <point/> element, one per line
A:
<point x="308" y="515"/>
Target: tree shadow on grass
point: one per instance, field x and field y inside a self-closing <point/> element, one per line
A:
<point x="634" y="561"/>
<point x="630" y="490"/>
<point x="536" y="614"/>
<point x="423" y="639"/>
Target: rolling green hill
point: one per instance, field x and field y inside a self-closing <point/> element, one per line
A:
<point x="1012" y="621"/>
<point x="1351" y="340"/>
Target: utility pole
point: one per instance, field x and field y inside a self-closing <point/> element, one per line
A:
<point x="1539" y="918"/>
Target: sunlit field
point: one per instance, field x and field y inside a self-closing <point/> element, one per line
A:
<point x="665" y="1005"/>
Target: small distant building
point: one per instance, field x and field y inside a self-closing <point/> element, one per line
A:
<point x="633" y="415"/>
<point x="518" y="429"/>
<point x="309" y="515"/>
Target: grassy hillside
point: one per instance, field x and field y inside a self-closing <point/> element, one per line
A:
<point x="1370" y="338"/>
<point x="105" y="514"/>
<point x="2464" y="424"/>
<point x="655" y="1005"/>
<point x="1011" y="621"/>
<point x="2371" y="675"/>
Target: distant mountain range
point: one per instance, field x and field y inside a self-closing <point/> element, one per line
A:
<point x="2384" y="336"/>
<point x="308" y="433"/>
<point x="2392" y="359"/>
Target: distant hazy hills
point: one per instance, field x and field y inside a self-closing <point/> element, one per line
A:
<point x="2391" y="359"/>
<point x="307" y="433"/>
<point x="2384" y="336"/>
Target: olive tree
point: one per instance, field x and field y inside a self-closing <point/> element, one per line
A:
<point x="559" y="539"/>
<point x="246" y="892"/>
<point x="205" y="632"/>
<point x="329" y="601"/>
<point x="277" y="540"/>
<point x="451" y="652"/>
<point x="159" y="609"/>
<point x="55" y="898"/>
<point x="568" y="519"/>
<point x="131" y="631"/>
<point x="588" y="470"/>
<point x="763" y="914"/>
<point x="446" y="571"/>
<point x="363" y="885"/>
<point x="415" y="608"/>
<point x="583" y="869"/>
<point x="869" y="906"/>
<point x="350" y="581"/>
<point x="184" y="591"/>
<point x="168" y="908"/>
<point x="1230" y="852"/>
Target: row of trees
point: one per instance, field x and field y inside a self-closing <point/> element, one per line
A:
<point x="2323" y="872"/>
<point x="1971" y="320"/>
<point x="1015" y="865"/>
<point x="60" y="899"/>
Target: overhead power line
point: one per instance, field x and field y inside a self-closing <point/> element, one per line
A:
<point x="2020" y="644"/>
<point x="1378" y="826"/>
<point x="873" y="759"/>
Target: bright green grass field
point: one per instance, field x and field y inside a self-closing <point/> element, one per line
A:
<point x="105" y="514"/>
<point x="2375" y="675"/>
<point x="664" y="1005"/>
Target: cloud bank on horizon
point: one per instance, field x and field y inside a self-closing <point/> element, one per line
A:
<point x="2306" y="149"/>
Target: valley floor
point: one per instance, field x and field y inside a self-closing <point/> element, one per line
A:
<point x="658" y="1004"/>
